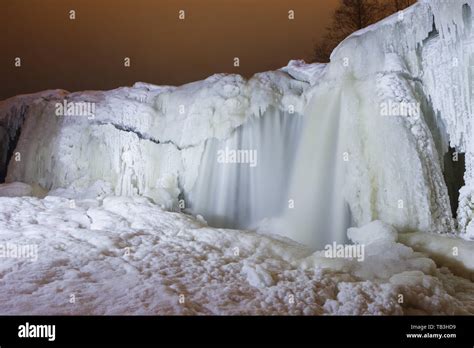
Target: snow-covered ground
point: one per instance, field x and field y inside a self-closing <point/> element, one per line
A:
<point x="119" y="255"/>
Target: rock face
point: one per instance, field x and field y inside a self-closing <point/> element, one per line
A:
<point x="399" y="94"/>
<point x="13" y="112"/>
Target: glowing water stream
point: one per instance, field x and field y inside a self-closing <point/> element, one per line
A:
<point x="317" y="213"/>
<point x="238" y="195"/>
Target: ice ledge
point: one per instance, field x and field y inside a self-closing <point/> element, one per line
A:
<point x="447" y="251"/>
<point x="300" y="70"/>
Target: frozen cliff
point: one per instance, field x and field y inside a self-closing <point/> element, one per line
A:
<point x="161" y="142"/>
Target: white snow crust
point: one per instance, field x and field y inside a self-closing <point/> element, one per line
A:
<point x="126" y="255"/>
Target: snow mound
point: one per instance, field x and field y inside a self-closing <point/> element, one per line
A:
<point x="376" y="230"/>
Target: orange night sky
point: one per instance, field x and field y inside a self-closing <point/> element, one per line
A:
<point x="88" y="52"/>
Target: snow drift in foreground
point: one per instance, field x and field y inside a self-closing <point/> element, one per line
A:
<point x="125" y="255"/>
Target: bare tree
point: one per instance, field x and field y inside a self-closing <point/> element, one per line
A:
<point x="350" y="16"/>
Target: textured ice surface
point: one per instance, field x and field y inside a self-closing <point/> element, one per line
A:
<point x="421" y="54"/>
<point x="13" y="112"/>
<point x="125" y="255"/>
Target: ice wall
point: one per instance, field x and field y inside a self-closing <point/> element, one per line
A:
<point x="421" y="55"/>
<point x="400" y="94"/>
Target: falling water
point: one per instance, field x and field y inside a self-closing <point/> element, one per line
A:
<point x="297" y="178"/>
<point x="317" y="213"/>
<point x="238" y="195"/>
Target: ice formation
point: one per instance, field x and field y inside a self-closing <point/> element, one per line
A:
<point x="149" y="140"/>
<point x="426" y="60"/>
<point x="419" y="57"/>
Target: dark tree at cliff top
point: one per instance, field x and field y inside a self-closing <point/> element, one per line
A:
<point x="352" y="15"/>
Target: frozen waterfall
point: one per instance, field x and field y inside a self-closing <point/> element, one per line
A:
<point x="301" y="146"/>
<point x="297" y="176"/>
